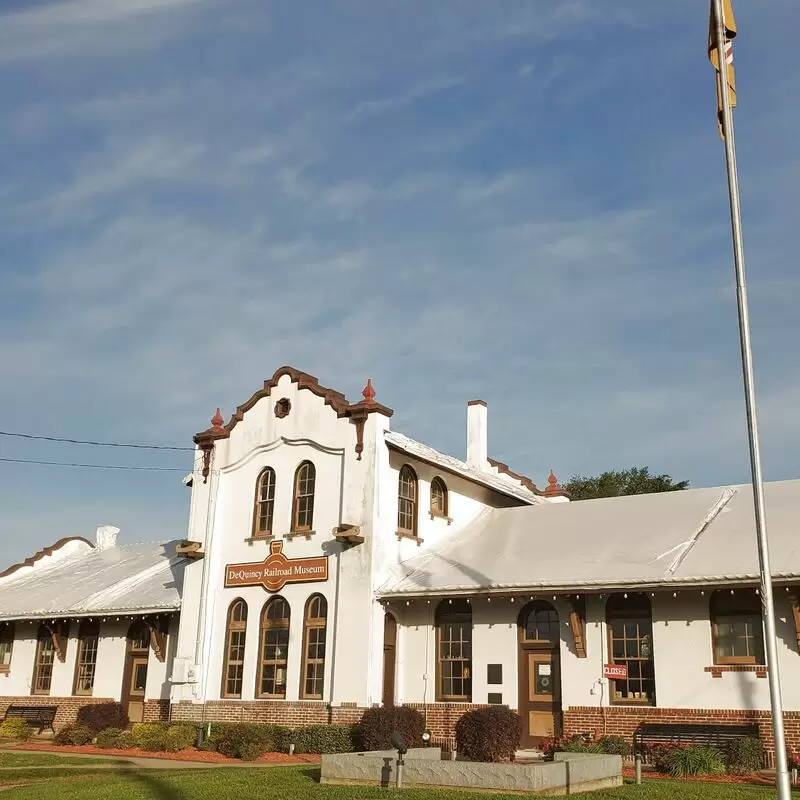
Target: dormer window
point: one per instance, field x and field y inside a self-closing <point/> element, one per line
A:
<point x="407" y="503"/>
<point x="439" y="498"/>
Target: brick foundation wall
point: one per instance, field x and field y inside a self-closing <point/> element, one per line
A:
<point x="67" y="707"/>
<point x="442" y="717"/>
<point x="621" y="721"/>
<point x="272" y="712"/>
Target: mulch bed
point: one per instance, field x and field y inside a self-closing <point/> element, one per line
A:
<point x="191" y="754"/>
<point x="753" y="779"/>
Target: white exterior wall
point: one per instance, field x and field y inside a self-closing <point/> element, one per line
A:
<point x="111" y="653"/>
<point x="681" y="644"/>
<point x="222" y="518"/>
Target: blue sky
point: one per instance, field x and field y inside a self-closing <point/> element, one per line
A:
<point x="521" y="202"/>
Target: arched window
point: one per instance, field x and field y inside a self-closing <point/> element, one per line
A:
<point x="438" y="498"/>
<point x="45" y="658"/>
<point x="539" y="624"/>
<point x="6" y="645"/>
<point x="86" y="663"/>
<point x="264" y="504"/>
<point x="303" y="505"/>
<point x="738" y="634"/>
<point x="630" y="643"/>
<point x="139" y="636"/>
<point x="235" y="634"/>
<point x="315" y="623"/>
<point x="407" y="502"/>
<point x="454" y="651"/>
<point x="274" y="649"/>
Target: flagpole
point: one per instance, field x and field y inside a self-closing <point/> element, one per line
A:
<point x="781" y="770"/>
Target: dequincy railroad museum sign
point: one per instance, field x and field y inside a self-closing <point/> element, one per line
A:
<point x="274" y="573"/>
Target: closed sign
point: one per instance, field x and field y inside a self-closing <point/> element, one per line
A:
<point x="615" y="671"/>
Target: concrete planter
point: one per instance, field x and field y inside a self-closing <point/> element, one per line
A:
<point x="568" y="774"/>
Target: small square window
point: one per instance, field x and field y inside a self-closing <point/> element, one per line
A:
<point x="495" y="699"/>
<point x="494" y="674"/>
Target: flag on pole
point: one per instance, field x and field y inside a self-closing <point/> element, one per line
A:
<point x="729" y="27"/>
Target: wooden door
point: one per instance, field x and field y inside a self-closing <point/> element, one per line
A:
<point x="389" y="659"/>
<point x="540" y="702"/>
<point x="137" y="680"/>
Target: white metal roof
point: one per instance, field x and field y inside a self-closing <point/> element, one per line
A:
<point x="120" y="579"/>
<point x="696" y="536"/>
<point x="500" y="483"/>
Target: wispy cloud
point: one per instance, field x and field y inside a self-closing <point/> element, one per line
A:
<point x="457" y="204"/>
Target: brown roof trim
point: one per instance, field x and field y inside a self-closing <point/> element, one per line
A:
<point x="526" y="482"/>
<point x="449" y="471"/>
<point x="477" y="403"/>
<point x="43" y="553"/>
<point x="357" y="412"/>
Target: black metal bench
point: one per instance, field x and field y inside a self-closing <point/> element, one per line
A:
<point x="39" y="717"/>
<point x="650" y="734"/>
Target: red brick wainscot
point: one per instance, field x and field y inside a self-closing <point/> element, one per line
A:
<point x="271" y="712"/>
<point x="623" y="721"/>
<point x="67" y="707"/>
<point x="442" y="717"/>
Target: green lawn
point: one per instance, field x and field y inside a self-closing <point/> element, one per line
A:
<point x="291" y="783"/>
<point x="47" y="759"/>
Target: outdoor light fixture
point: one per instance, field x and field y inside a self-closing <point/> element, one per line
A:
<point x="426" y="737"/>
<point x="399" y="744"/>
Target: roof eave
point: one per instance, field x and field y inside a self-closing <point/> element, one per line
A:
<point x="511" y="493"/>
<point x="598" y="587"/>
<point x="112" y="612"/>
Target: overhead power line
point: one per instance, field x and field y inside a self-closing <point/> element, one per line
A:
<point x="95" y="444"/>
<point x="93" y="466"/>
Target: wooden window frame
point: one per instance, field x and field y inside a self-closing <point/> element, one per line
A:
<point x="309" y="624"/>
<point x="7" y="633"/>
<point x="267" y="625"/>
<point x="87" y="632"/>
<point x="258" y="502"/>
<point x="413" y="480"/>
<point x="231" y="627"/>
<point x="44" y="640"/>
<point x="460" y="613"/>
<point x="296" y="496"/>
<point x="444" y="512"/>
<point x="734" y="612"/>
<point x="633" y="613"/>
<point x="554" y="623"/>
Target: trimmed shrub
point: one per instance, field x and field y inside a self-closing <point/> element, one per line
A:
<point x="576" y="744"/>
<point x="682" y="762"/>
<point x="99" y="716"/>
<point x="378" y="724"/>
<point x="125" y="741"/>
<point x="108" y="738"/>
<point x="15" y="728"/>
<point x="238" y="741"/>
<point x="614" y="745"/>
<point x="150" y="736"/>
<point x="180" y="737"/>
<point x="489" y="734"/>
<point x="73" y="735"/>
<point x="321" y="739"/>
<point x="744" y="755"/>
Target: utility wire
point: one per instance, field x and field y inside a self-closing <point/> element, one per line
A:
<point x="96" y="444"/>
<point x="93" y="466"/>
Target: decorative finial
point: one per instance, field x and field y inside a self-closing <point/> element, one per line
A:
<point x="551" y="479"/>
<point x="217" y="420"/>
<point x="369" y="391"/>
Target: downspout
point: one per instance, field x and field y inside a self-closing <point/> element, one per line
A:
<point x="335" y="631"/>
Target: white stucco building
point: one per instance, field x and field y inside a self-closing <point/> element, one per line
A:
<point x="332" y="564"/>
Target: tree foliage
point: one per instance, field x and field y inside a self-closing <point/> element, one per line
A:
<point x="636" y="480"/>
